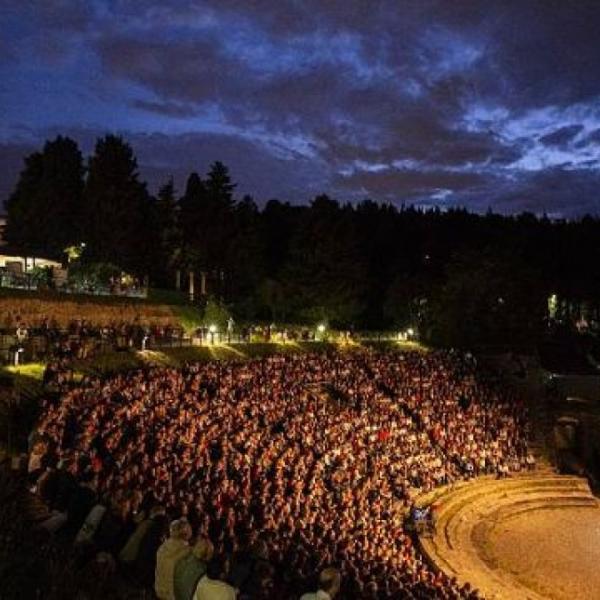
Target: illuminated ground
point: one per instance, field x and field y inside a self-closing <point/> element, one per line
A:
<point x="554" y="552"/>
<point x="535" y="536"/>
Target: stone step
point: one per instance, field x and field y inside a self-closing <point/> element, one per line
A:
<point x="492" y="512"/>
<point x="470" y="563"/>
<point x="453" y="500"/>
<point x="544" y="478"/>
<point x="451" y="524"/>
<point x="469" y="513"/>
<point x="484" y="495"/>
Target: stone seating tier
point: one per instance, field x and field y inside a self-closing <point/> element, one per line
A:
<point x="468" y="513"/>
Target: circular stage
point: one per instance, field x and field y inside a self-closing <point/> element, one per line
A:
<point x="531" y="537"/>
<point x="555" y="552"/>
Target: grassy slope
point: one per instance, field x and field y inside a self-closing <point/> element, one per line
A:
<point x="28" y="377"/>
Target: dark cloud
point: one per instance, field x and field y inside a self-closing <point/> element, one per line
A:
<point x="419" y="135"/>
<point x="560" y="191"/>
<point x="50" y="15"/>
<point x="438" y="101"/>
<point x="171" y="109"/>
<point x="191" y="71"/>
<point x="251" y="162"/>
<point x="561" y="136"/>
<point x="592" y="138"/>
<point x="397" y="185"/>
<point x="7" y="54"/>
<point x="547" y="52"/>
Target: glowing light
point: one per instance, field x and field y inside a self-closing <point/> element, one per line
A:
<point x="74" y="252"/>
<point x="212" y="329"/>
<point x="552" y="306"/>
<point x="321" y="328"/>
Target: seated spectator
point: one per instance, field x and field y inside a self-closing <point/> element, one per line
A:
<point x="151" y="537"/>
<point x="169" y="553"/>
<point x="191" y="568"/>
<point x="330" y="580"/>
<point x="213" y="585"/>
<point x="260" y="454"/>
<point x="81" y="501"/>
<point x="130" y="551"/>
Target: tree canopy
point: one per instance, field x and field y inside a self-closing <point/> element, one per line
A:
<point x="44" y="213"/>
<point x="461" y="278"/>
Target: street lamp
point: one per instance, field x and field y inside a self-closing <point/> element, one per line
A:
<point x="320" y="331"/>
<point x="212" y="330"/>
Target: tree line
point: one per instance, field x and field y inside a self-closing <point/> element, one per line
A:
<point x="461" y="278"/>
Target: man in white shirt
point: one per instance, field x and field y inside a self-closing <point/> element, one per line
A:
<point x="169" y="553"/>
<point x="330" y="580"/>
<point x="212" y="586"/>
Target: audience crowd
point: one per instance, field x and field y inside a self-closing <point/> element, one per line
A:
<point x="271" y="478"/>
<point x="82" y="339"/>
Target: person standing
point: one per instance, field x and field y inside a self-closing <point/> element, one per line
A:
<point x="213" y="586"/>
<point x="330" y="580"/>
<point x="170" y="552"/>
<point x="191" y="568"/>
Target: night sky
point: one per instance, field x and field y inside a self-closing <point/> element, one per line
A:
<point x="479" y="104"/>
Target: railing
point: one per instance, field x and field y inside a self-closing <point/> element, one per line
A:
<point x="98" y="290"/>
<point x="33" y="282"/>
<point x="40" y="346"/>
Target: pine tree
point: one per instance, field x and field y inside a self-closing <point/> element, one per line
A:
<point x="118" y="226"/>
<point x="219" y="186"/>
<point x="326" y="273"/>
<point x="44" y="212"/>
<point x="167" y="226"/>
<point x="208" y="224"/>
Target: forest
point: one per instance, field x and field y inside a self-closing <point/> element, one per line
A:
<point x="461" y="278"/>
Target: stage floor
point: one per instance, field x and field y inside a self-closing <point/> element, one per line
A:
<point x="555" y="553"/>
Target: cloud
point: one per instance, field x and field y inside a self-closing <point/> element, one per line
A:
<point x="470" y="103"/>
<point x="185" y="71"/>
<point x="561" y="136"/>
<point x="398" y="185"/>
<point x="564" y="192"/>
<point x="170" y="109"/>
<point x="592" y="138"/>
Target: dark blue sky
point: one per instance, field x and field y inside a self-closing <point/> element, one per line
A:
<point x="479" y="104"/>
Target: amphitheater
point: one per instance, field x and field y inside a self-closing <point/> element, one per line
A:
<point x="534" y="536"/>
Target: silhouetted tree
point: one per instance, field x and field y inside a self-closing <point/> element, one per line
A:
<point x="169" y="232"/>
<point x="219" y="187"/>
<point x="462" y="278"/>
<point x="208" y="224"/>
<point x="246" y="268"/>
<point x="44" y="211"/>
<point x="326" y="274"/>
<point x="487" y="297"/>
<point x="117" y="225"/>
